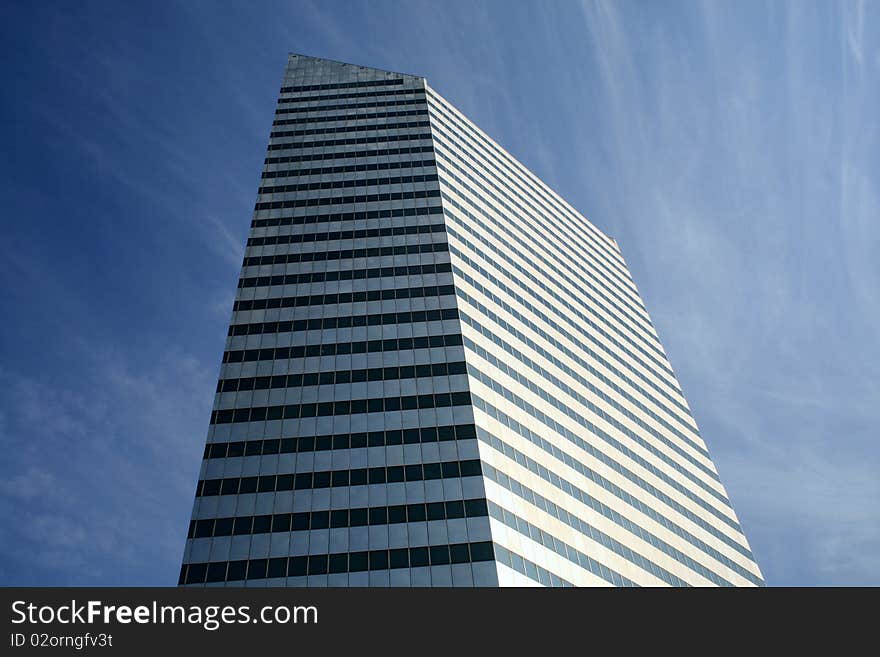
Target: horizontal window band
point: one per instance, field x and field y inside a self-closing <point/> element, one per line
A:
<point x="341" y="85"/>
<point x="635" y="325"/>
<point x="530" y="569"/>
<point x="345" y="297"/>
<point x="345" y="254"/>
<point x="550" y="542"/>
<point x="343" y="407"/>
<point x="344" y="321"/>
<point x="351" y="106"/>
<point x="583" y="527"/>
<point x="347" y="200"/>
<point x="345" y="275"/>
<point x="611" y="282"/>
<point x="592" y="450"/>
<point x="516" y="175"/>
<point x="347" y="184"/>
<point x="385" y="213"/>
<point x="503" y="364"/>
<point x="621" y="519"/>
<point x="348" y="168"/>
<point x="592" y="429"/>
<point x="355" y="94"/>
<point x="576" y="357"/>
<point x="351" y="117"/>
<point x="342" y="562"/>
<point x="339" y="478"/>
<point x="583" y="324"/>
<point x="634" y="435"/>
<point x="300" y="444"/>
<point x="599" y="256"/>
<point x="350" y="234"/>
<point x="370" y="127"/>
<point x="349" y="141"/>
<point x="547" y="321"/>
<point x="344" y="155"/>
<point x="579" y="466"/>
<point x="334" y="349"/>
<point x="336" y="518"/>
<point x="577" y="374"/>
<point x="331" y="377"/>
<point x="626" y="339"/>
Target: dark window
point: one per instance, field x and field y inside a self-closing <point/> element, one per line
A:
<point x="358" y="561"/>
<point x="297" y="566"/>
<point x="378" y="515"/>
<point x="320" y="519"/>
<point x="395" y="474"/>
<point x="318" y="564"/>
<point x="216" y="572"/>
<point x="416" y="512"/>
<point x="262" y="524"/>
<point x="236" y="571"/>
<point x="338" y="563"/>
<point x="204" y="528"/>
<point x="257" y="568"/>
<point x="475" y="508"/>
<point x="277" y="567"/>
<point x="281" y="522"/>
<point x="418" y="557"/>
<point x="450" y="469"/>
<point x="459" y="553"/>
<point x="223" y="527"/>
<point x="470" y="468"/>
<point x="432" y="470"/>
<point x="396" y="514"/>
<point x="358" y="477"/>
<point x="482" y="551"/>
<point x="439" y="555"/>
<point x="358" y="517"/>
<point x="300" y="521"/>
<point x="196" y="573"/>
<point x="436" y="511"/>
<point x="339" y="518"/>
<point x="378" y="559"/>
<point x="455" y="509"/>
<point x="398" y="558"/>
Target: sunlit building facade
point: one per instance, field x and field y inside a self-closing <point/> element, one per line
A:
<point x="439" y="373"/>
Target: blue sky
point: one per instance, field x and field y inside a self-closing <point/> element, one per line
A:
<point x="731" y="148"/>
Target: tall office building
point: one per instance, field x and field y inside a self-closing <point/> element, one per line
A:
<point x="439" y="373"/>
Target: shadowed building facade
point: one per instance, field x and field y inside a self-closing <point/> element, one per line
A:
<point x="438" y="373"/>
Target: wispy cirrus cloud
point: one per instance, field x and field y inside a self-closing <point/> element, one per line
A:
<point x="94" y="473"/>
<point x="743" y="205"/>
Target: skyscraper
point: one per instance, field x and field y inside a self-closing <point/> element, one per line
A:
<point x="439" y="373"/>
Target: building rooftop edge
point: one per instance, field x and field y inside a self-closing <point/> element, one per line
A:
<point x="339" y="61"/>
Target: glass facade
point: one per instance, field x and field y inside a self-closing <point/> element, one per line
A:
<point x="438" y="373"/>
